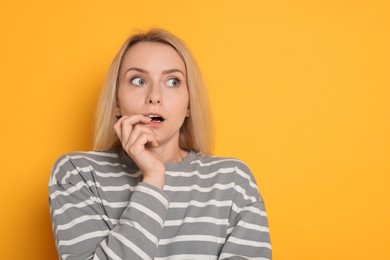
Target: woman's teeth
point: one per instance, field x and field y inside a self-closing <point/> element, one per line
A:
<point x="156" y="118"/>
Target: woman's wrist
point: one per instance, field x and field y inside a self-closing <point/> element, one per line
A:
<point x="157" y="181"/>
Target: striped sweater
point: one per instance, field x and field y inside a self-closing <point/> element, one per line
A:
<point x="209" y="208"/>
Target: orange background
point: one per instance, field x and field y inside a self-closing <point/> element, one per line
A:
<point x="300" y="91"/>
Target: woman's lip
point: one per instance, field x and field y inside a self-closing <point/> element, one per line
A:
<point x="154" y="116"/>
<point x="155" y="123"/>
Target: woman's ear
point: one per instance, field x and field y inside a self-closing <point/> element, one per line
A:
<point x="118" y="111"/>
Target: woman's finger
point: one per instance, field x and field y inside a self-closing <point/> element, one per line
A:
<point x="124" y="125"/>
<point x="139" y="144"/>
<point x="128" y="125"/>
<point x="138" y="129"/>
<point x="117" y="128"/>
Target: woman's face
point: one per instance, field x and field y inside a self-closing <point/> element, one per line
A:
<point x="152" y="82"/>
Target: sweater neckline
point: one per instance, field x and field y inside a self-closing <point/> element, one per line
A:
<point x="126" y="160"/>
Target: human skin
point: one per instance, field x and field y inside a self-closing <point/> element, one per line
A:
<point x="152" y="81"/>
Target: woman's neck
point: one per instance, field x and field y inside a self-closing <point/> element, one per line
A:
<point x="170" y="154"/>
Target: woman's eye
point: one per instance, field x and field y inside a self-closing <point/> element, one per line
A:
<point x="173" y="82"/>
<point x="138" y="81"/>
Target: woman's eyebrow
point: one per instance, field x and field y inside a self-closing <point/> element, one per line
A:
<point x="137" y="69"/>
<point x="164" y="72"/>
<point x="172" y="70"/>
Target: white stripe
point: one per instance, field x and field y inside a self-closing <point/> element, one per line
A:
<point x="78" y="221"/>
<point x="215" y="162"/>
<point x="65" y="256"/>
<point x="252" y="209"/>
<point x="255" y="210"/>
<point x="147" y="212"/>
<point x="88" y="185"/>
<point x="225" y="203"/>
<point x="93" y="160"/>
<point x="95" y="257"/>
<point x="199" y="175"/>
<point x="229" y="256"/>
<point x="201" y="189"/>
<point x="57" y="169"/>
<point x="115" y="188"/>
<point x="153" y="193"/>
<point x="216" y="221"/>
<point x="246" y="176"/>
<point x="111" y="155"/>
<point x="252" y="226"/>
<point x="113" y="220"/>
<point x="245" y="242"/>
<point x="83" y="237"/>
<point x="109" y="188"/>
<point x="192" y="238"/>
<point x="208" y="189"/>
<point x="109" y="252"/>
<point x="187" y="256"/>
<point x="131" y="245"/>
<point x="243" y="192"/>
<point x="69" y="191"/>
<point x="120" y="204"/>
<point x="84" y="219"/>
<point x="140" y="228"/>
<point x="74" y="172"/>
<point x="89" y="169"/>
<point x="235" y="208"/>
<point x="71" y="205"/>
<point x="117" y="174"/>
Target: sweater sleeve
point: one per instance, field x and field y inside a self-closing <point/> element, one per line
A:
<point x="81" y="228"/>
<point x="248" y="234"/>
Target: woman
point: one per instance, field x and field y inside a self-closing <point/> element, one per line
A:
<point x="151" y="189"/>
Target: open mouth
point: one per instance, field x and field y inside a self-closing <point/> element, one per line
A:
<point x="156" y="118"/>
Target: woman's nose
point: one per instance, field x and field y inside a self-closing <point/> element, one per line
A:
<point x="154" y="100"/>
<point x="154" y="95"/>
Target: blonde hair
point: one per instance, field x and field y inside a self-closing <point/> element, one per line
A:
<point x="196" y="132"/>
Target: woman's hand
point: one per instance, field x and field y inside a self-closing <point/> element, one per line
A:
<point x="137" y="140"/>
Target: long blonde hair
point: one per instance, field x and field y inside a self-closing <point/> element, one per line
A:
<point x="196" y="132"/>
